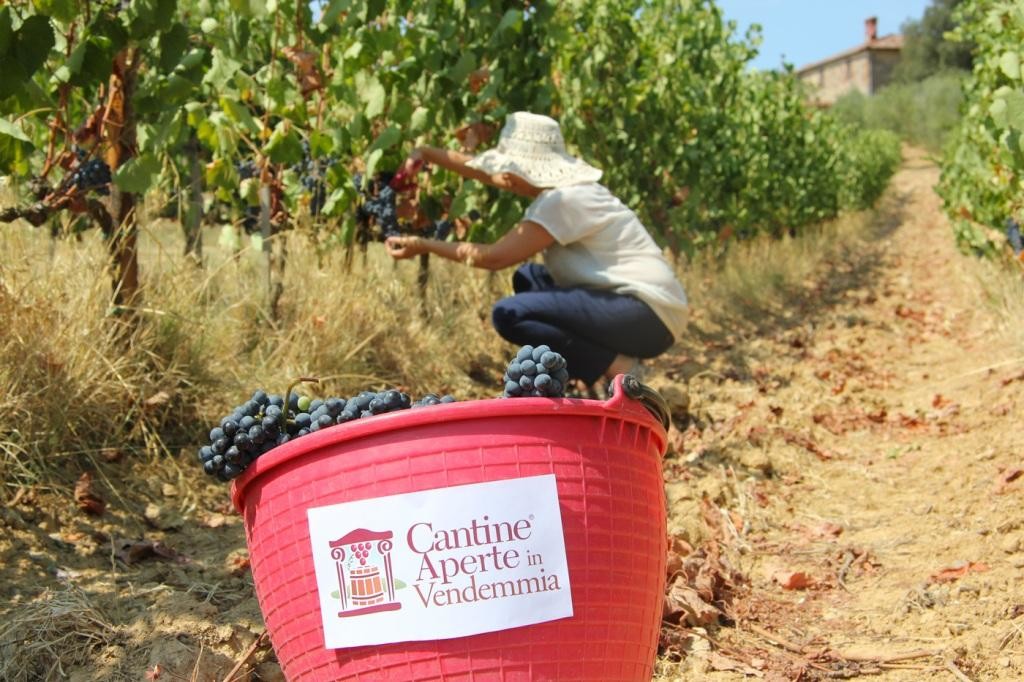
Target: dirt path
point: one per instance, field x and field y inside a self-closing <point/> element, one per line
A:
<point x="865" y="467"/>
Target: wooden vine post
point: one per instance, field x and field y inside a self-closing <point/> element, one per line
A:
<point x="118" y="134"/>
<point x="194" y="214"/>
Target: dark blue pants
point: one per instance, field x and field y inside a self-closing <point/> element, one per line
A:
<point x="587" y="326"/>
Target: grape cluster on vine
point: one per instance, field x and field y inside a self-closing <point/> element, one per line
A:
<point x="312" y="174"/>
<point x="248" y="169"/>
<point x="89" y="174"/>
<point x="377" y="212"/>
<point x="264" y="422"/>
<point x="93" y="175"/>
<point x="377" y="208"/>
<point x="440" y="230"/>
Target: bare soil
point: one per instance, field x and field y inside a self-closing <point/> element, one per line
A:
<point x="845" y="497"/>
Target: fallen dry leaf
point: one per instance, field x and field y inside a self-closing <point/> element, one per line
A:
<point x="723" y="663"/>
<point x="158" y="399"/>
<point x="792" y="580"/>
<point x="134" y="551"/>
<point x="111" y="455"/>
<point x="86" y="498"/>
<point x="737" y="520"/>
<point x="911" y="422"/>
<point x="757" y="435"/>
<point x="238" y="563"/>
<point x="678" y="549"/>
<point x="1006" y="478"/>
<point x="676" y="440"/>
<point x="1010" y="380"/>
<point x="958" y="571"/>
<point x="215" y="520"/>
<point x="825" y="529"/>
<point x="878" y="417"/>
<point x="806" y="443"/>
<point x="704" y="585"/>
<point x="908" y="313"/>
<point x="684" y="605"/>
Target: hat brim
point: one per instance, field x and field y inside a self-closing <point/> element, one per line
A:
<point x="549" y="170"/>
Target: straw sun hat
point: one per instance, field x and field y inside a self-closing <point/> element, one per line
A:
<point x="531" y="146"/>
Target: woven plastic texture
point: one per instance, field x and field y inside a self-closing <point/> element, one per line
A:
<point x="606" y="458"/>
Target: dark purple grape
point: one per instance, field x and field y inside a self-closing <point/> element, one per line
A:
<point x="233" y="454"/>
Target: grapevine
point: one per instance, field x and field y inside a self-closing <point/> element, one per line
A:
<point x="296" y="103"/>
<point x="982" y="181"/>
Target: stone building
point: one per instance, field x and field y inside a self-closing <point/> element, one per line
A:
<point x="866" y="67"/>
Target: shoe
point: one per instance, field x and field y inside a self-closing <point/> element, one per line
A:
<point x="635" y="368"/>
<point x="638" y="370"/>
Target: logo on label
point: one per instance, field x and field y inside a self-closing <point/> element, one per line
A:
<point x="366" y="583"/>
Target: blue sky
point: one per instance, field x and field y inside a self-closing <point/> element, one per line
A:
<point x="805" y="31"/>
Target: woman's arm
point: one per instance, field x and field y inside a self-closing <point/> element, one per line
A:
<point x="525" y="240"/>
<point x="451" y="160"/>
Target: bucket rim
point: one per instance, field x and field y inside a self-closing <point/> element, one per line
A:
<point x="619" y="405"/>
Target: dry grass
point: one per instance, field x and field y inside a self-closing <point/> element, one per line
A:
<point x="59" y="630"/>
<point x="764" y="282"/>
<point x="1003" y="287"/>
<point x="74" y="379"/>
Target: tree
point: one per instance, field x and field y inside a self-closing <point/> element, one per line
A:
<point x="926" y="49"/>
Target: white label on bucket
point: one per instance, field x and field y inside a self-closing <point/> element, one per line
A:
<point x="440" y="563"/>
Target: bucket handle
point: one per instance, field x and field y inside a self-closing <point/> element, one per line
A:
<point x="647" y="396"/>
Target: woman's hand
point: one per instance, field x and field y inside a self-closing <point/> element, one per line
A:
<point x="403" y="247"/>
<point x="524" y="240"/>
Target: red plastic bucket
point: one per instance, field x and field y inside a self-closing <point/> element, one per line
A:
<point x="606" y="459"/>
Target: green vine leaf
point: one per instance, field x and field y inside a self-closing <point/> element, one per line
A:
<point x="374" y="95"/>
<point x="1014" y="114"/>
<point x="62" y="10"/>
<point x="6" y="30"/>
<point x="221" y="71"/>
<point x="173" y="44"/>
<point x="284" y="145"/>
<point x="33" y="42"/>
<point x="462" y="68"/>
<point x="1009" y="64"/>
<point x="240" y="114"/>
<point x="138" y="174"/>
<point x="388" y="138"/>
<point x="15" y="148"/>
